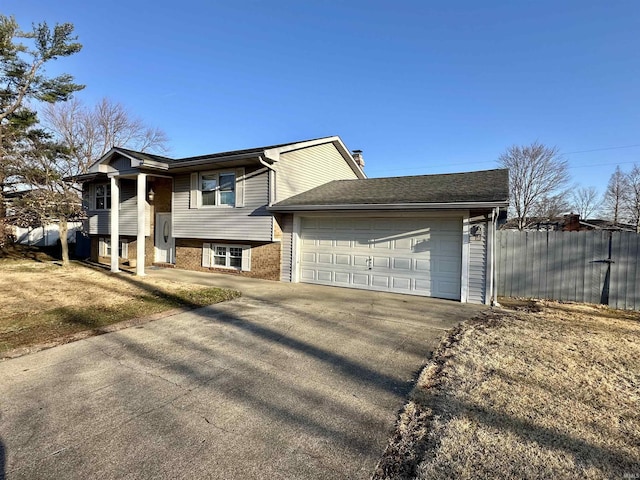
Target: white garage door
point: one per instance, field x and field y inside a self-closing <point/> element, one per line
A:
<point x="404" y="255"/>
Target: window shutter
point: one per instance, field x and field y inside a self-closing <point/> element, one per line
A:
<point x="246" y="259"/>
<point x="92" y="197"/>
<point x="193" y="193"/>
<point x="239" y="187"/>
<point x="206" y="255"/>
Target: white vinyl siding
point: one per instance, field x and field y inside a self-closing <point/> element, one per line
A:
<point x="287" y="248"/>
<point x="477" y="262"/>
<point x="308" y="168"/>
<point x="404" y="255"/>
<point x="226" y="256"/>
<point x="99" y="220"/>
<point x="250" y="222"/>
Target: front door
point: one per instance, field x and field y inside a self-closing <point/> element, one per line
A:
<point x="165" y="244"/>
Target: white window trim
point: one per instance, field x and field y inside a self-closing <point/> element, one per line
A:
<point x="107" y="187"/>
<point x="104" y="244"/>
<point x="217" y="174"/>
<point x="208" y="254"/>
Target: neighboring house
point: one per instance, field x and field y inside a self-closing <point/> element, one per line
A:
<point x="45" y="236"/>
<point x="41" y="236"/>
<point x="568" y="223"/>
<point x="599" y="224"/>
<point x="298" y="212"/>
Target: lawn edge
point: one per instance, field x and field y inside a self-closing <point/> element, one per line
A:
<point x="93" y="332"/>
<point x="408" y="443"/>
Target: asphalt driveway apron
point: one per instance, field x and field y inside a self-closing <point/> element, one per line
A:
<point x="289" y="381"/>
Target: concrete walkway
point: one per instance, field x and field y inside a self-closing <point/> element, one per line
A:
<point x="289" y="381"/>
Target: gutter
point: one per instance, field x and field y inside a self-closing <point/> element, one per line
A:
<point x="388" y="206"/>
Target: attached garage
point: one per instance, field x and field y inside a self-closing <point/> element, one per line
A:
<point x="405" y="255"/>
<point x="429" y="235"/>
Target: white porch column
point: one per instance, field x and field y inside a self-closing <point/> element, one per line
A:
<point x="115" y="223"/>
<point x="141" y="196"/>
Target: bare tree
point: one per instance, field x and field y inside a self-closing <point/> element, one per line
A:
<point x="551" y="207"/>
<point x="631" y="198"/>
<point x="536" y="174"/>
<point x="584" y="200"/>
<point x="85" y="134"/>
<point x="90" y="132"/>
<point x="614" y="195"/>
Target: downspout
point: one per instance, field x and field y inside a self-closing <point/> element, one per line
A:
<point x="494" y="272"/>
<point x="272" y="193"/>
<point x="272" y="187"/>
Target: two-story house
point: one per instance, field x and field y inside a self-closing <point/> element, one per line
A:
<point x="297" y="212"/>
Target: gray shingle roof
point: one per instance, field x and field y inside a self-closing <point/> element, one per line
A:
<point x="144" y="156"/>
<point x="469" y="187"/>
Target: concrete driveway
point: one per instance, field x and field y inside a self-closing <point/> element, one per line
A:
<point x="290" y="381"/>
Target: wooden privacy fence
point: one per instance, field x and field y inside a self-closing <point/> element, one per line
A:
<point x="592" y="266"/>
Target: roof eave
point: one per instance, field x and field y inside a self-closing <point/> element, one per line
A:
<point x="390" y="206"/>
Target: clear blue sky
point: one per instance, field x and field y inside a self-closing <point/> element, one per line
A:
<point x="420" y="86"/>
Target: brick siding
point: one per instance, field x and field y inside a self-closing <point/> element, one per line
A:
<point x="265" y="258"/>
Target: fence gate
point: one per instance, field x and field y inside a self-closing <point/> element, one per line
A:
<point x="592" y="266"/>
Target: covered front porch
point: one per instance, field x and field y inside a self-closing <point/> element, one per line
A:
<point x="142" y="221"/>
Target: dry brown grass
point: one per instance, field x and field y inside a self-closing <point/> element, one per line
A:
<point x="553" y="393"/>
<point x="44" y="303"/>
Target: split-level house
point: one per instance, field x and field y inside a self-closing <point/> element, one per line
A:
<point x="297" y="212"/>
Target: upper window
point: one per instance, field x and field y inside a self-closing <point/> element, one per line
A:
<point x="103" y="197"/>
<point x="218" y="189"/>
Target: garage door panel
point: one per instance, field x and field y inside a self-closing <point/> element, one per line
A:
<point x="422" y="265"/>
<point x="324" y="275"/>
<point x="343" y="259"/>
<point x="360" y="279"/>
<point x="402" y="263"/>
<point x="448" y="266"/>
<point x="448" y="289"/>
<point x="403" y="244"/>
<point x="361" y="260"/>
<point x="406" y="255"/>
<point x="380" y="281"/>
<point x="381" y="262"/>
<point x="308" y="257"/>
<point x="401" y="283"/>
<point x="325" y="258"/>
<point x="341" y="277"/>
<point x="307" y="274"/>
<point x="382" y="244"/>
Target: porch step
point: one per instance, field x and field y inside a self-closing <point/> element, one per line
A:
<point x="163" y="265"/>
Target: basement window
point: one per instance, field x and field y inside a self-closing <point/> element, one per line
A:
<point x="232" y="257"/>
<point x="104" y="248"/>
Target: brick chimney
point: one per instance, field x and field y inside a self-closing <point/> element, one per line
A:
<point x="571" y="223"/>
<point x="357" y="157"/>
